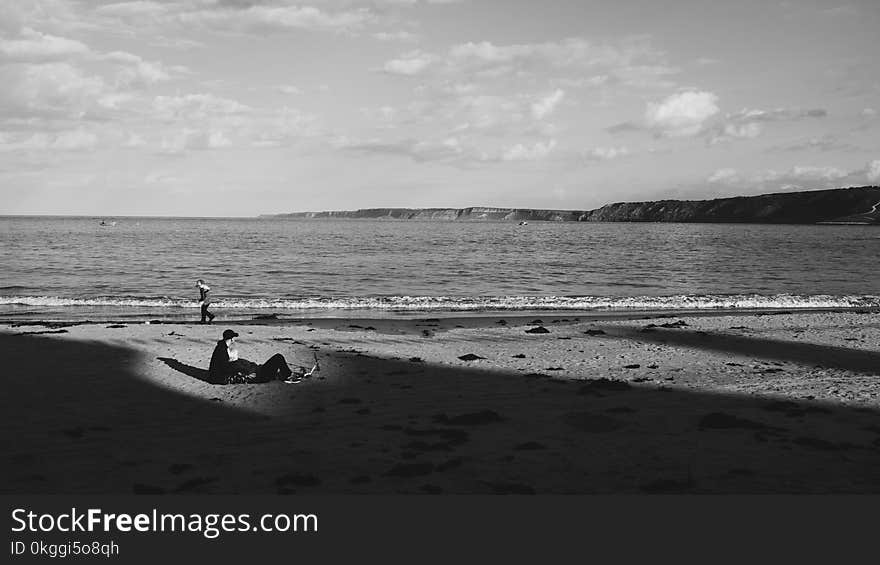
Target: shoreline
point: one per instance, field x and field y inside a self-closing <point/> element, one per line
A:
<point x="471" y="318"/>
<point x="708" y="403"/>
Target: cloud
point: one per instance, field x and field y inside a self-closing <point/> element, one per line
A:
<point x="798" y="177"/>
<point x="138" y="9"/>
<point x="623" y="127"/>
<point x="395" y="36"/>
<point x="825" y="143"/>
<point x="724" y="176"/>
<point x="47" y="89"/>
<point x="450" y="149"/>
<point x="873" y="171"/>
<point x="34" y="46"/>
<point x="289" y="89"/>
<point x="633" y="60"/>
<point x="135" y="71"/>
<point x="69" y="140"/>
<point x="749" y="124"/>
<point x="196" y="106"/>
<point x="258" y="17"/>
<point x="186" y="139"/>
<point x="536" y="152"/>
<point x="682" y="114"/>
<point x="607" y="153"/>
<point x="546" y="105"/>
<point x="409" y="64"/>
<point x="728" y="131"/>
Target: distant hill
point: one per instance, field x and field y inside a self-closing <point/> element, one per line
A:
<point x="858" y="205"/>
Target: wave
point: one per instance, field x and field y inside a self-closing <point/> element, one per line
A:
<point x="466" y="304"/>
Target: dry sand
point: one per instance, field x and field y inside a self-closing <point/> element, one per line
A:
<point x="746" y="403"/>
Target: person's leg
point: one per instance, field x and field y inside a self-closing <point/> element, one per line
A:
<point x="204" y="312"/>
<point x="275" y="368"/>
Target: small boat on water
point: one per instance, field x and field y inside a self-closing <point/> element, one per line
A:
<point x="523" y="223"/>
<point x="107" y="224"/>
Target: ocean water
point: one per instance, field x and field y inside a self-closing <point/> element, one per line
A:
<point x="74" y="268"/>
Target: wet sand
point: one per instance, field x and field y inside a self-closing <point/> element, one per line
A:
<point x="745" y="403"/>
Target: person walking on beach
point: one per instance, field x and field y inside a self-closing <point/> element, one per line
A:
<point x="228" y="368"/>
<point x="204" y="300"/>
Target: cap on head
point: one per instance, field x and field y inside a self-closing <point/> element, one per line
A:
<point x="229" y="334"/>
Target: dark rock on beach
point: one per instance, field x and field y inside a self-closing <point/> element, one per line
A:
<point x="470" y="357"/>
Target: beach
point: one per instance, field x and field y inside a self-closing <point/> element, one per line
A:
<point x="734" y="402"/>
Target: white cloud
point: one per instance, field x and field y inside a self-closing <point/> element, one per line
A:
<point x="134" y="140"/>
<point x="265" y="17"/>
<point x="34" y="46"/>
<point x="748" y="124"/>
<point x="724" y="176"/>
<point x="634" y="60"/>
<point x="289" y="89"/>
<point x="547" y="104"/>
<point x="521" y="152"/>
<point x="682" y="114"/>
<point x="68" y="140"/>
<point x="409" y="64"/>
<point x="873" y="171"/>
<point x="801" y="172"/>
<point x="75" y="140"/>
<point x="188" y="138"/>
<point x="607" y="153"/>
<point x="135" y="70"/>
<point x="196" y="106"/>
<point x="730" y="131"/>
<point x="139" y="8"/>
<point x="798" y="177"/>
<point x="395" y="36"/>
<point x="49" y="88"/>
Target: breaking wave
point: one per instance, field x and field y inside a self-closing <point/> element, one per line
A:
<point x="470" y="304"/>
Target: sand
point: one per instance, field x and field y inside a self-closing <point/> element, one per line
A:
<point x="745" y="403"/>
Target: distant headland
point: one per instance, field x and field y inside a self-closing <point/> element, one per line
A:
<point x="856" y="205"/>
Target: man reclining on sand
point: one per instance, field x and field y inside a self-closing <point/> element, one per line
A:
<point x="227" y="368"/>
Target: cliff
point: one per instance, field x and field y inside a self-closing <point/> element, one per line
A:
<point x="858" y="205"/>
<point x="474" y="213"/>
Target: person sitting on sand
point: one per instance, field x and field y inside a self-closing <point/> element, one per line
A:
<point x="204" y="301"/>
<point x="227" y="368"/>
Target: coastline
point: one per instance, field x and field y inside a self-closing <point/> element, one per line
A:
<point x="712" y="402"/>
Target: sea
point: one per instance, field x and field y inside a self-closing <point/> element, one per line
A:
<point x="139" y="268"/>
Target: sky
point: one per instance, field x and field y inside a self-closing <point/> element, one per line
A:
<point x="247" y="107"/>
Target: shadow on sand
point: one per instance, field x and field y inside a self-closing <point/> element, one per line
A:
<point x="389" y="425"/>
<point x="188" y="370"/>
<point x="808" y="354"/>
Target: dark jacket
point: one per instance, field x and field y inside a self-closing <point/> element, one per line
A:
<point x="220" y="368"/>
<point x="203" y="295"/>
